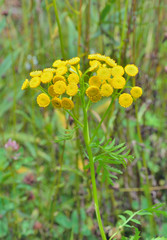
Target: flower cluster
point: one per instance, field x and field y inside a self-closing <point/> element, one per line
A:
<point x="61" y="82"/>
<point x="107" y="76"/>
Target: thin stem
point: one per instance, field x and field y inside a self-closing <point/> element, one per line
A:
<point x="89" y="151"/>
<point x="59" y="28"/>
<point x="79" y="27"/>
<point x="50" y="23"/>
<point x="102" y="119"/>
<point x="73" y="116"/>
<point x="77" y="177"/>
<point x="123" y="29"/>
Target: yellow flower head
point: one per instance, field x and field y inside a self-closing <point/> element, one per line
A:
<point x="131" y="70"/>
<point x="43" y="100"/>
<point x="49" y="70"/>
<point x="95" y="98"/>
<point x="59" y="78"/>
<point x="118" y="82"/>
<point x="97" y="56"/>
<point x="59" y="87"/>
<point x="110" y="62"/>
<point x="92" y="91"/>
<point x="103" y="73"/>
<point x="125" y="100"/>
<point x="117" y="71"/>
<point x="106" y="90"/>
<point x="56" y="102"/>
<point x="61" y="70"/>
<point x="36" y="73"/>
<point x="59" y="63"/>
<point x="93" y="56"/>
<point x="67" y="103"/>
<point x="74" y="61"/>
<point x="136" y="92"/>
<point x="25" y="84"/>
<point x="46" y="77"/>
<point x="51" y="91"/>
<point x="73" y="78"/>
<point x="35" y="82"/>
<point x="72" y="89"/>
<point x="93" y="62"/>
<point x="94" y="67"/>
<point x="95" y="81"/>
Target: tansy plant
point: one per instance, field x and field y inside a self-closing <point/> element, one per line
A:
<point x="103" y="79"/>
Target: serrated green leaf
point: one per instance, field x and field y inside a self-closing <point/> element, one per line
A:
<point x="130" y="213"/>
<point x="135" y="221"/>
<point x="122" y="217"/>
<point x="128" y="226"/>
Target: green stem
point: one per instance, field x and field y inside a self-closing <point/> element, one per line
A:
<point x="79" y="27"/>
<point x="102" y="119"/>
<point x="50" y="23"/>
<point x="72" y="115"/>
<point x="59" y="28"/>
<point x="146" y="185"/>
<point x="89" y="151"/>
<point x="123" y="30"/>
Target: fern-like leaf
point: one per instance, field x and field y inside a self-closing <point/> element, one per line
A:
<point x="108" y="154"/>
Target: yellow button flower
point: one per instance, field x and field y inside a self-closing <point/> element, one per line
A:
<point x="136" y="92"/>
<point x="73" y="61"/>
<point x="49" y="70"/>
<point x="25" y="84"/>
<point x="35" y="82"/>
<point x="93" y="62"/>
<point x="106" y="90"/>
<point x="61" y="70"/>
<point x="117" y="71"/>
<point x="118" y="82"/>
<point x="59" y="87"/>
<point x="56" y="102"/>
<point x="94" y="56"/>
<point x="103" y="73"/>
<point x="94" y="67"/>
<point x="72" y="89"/>
<point x="97" y="56"/>
<point x="51" y="91"/>
<point x="95" y="98"/>
<point x="92" y="91"/>
<point x="46" y="77"/>
<point x="36" y="73"/>
<point x="95" y="81"/>
<point x="43" y="100"/>
<point x="131" y="70"/>
<point x="67" y="103"/>
<point x="125" y="100"/>
<point x="59" y="78"/>
<point x="59" y="63"/>
<point x="73" y="78"/>
<point x="110" y="62"/>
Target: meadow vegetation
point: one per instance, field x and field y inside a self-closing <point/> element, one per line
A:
<point x="82" y="150"/>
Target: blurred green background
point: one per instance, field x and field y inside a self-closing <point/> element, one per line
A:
<point x="38" y="198"/>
